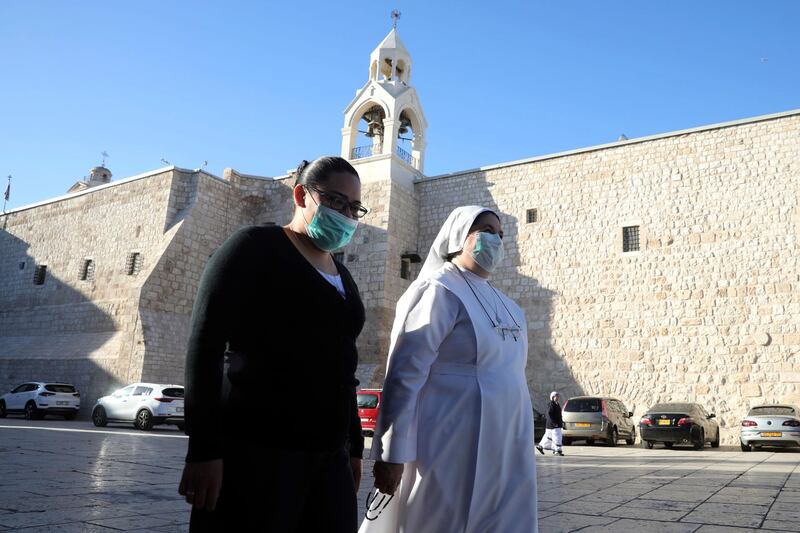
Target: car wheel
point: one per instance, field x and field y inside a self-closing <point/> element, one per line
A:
<point x="632" y="440"/>
<point x="647" y="444"/>
<point x="613" y="437"/>
<point x="144" y="420"/>
<point x="668" y="445"/>
<point x="3" y="412"/>
<point x="745" y="447"/>
<point x="99" y="417"/>
<point x="700" y="443"/>
<point x="715" y="442"/>
<point x="31" y="412"/>
<point x="70" y="416"/>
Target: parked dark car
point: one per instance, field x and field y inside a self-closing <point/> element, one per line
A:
<point x="679" y="423"/>
<point x="591" y="418"/>
<point x="539" y="423"/>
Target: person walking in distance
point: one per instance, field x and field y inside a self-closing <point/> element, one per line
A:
<point x="554" y="427"/>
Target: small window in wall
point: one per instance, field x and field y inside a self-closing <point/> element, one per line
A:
<point x="87" y="270"/>
<point x="405" y="269"/>
<point x="22" y="265"/>
<point x="339" y="256"/>
<point x="39" y="274"/>
<point x="134" y="263"/>
<point x="532" y="215"/>
<point x="630" y="239"/>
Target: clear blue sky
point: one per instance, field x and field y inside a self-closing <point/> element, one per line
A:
<point x="257" y="86"/>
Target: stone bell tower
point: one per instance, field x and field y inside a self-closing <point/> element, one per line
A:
<point x="384" y="139"/>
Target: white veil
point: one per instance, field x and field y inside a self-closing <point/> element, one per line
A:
<point x="451" y="237"/>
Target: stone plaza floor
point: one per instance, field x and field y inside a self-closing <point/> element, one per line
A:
<point x="58" y="476"/>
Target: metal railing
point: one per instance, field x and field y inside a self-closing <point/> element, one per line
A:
<point x="366" y="151"/>
<point x="405" y="156"/>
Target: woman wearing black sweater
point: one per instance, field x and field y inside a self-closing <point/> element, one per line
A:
<point x="279" y="447"/>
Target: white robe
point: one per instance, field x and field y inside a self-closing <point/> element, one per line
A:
<point x="456" y="411"/>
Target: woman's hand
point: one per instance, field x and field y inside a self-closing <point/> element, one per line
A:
<point x="387" y="476"/>
<point x="355" y="466"/>
<point x="201" y="482"/>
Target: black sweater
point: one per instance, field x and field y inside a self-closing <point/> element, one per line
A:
<point x="291" y="341"/>
<point x="554" y="416"/>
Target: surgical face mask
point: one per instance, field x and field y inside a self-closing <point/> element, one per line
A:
<point x="330" y="229"/>
<point x="488" y="250"/>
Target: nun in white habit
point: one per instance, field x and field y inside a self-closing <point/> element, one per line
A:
<point x="454" y="440"/>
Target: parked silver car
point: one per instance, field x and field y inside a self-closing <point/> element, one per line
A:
<point x="143" y="404"/>
<point x="593" y="418"/>
<point x="770" y="425"/>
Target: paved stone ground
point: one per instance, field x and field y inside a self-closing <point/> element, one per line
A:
<point x="58" y="476"/>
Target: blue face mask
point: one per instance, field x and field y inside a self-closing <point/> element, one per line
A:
<point x="488" y="251"/>
<point x="330" y="229"/>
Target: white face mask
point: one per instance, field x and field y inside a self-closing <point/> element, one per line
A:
<point x="488" y="250"/>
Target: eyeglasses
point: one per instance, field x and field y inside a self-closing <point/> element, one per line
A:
<point x="339" y="202"/>
<point x="375" y="506"/>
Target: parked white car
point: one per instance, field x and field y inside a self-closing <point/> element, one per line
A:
<point x="36" y="399"/>
<point x="144" y="404"/>
<point x="771" y="425"/>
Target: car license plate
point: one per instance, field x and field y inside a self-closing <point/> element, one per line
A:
<point x="179" y="409"/>
<point x="62" y="403"/>
<point x="666" y="422"/>
<point x="771" y="434"/>
<point x="582" y="425"/>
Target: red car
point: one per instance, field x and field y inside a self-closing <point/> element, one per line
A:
<point x="369" y="401"/>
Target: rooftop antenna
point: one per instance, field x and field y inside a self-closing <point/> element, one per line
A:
<point x="204" y="165"/>
<point x="166" y="162"/>
<point x="395" y="17"/>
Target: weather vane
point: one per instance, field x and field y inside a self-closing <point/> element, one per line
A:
<point x="395" y="17"/>
<point x="105" y="156"/>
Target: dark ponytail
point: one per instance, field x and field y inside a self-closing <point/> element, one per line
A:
<point x="319" y="170"/>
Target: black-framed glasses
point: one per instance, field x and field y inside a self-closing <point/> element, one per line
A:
<point x="339" y="202"/>
<point x="376" y="506"/>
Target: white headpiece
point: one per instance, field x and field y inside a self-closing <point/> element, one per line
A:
<point x="553" y="395"/>
<point x="451" y="237"/>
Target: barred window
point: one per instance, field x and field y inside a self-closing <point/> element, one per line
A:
<point x="532" y="215"/>
<point x="87" y="270"/>
<point x="134" y="263"/>
<point x="630" y="239"/>
<point x="39" y="274"/>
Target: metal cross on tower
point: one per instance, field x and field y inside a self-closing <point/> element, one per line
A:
<point x="395" y="17"/>
<point x="105" y="156"/>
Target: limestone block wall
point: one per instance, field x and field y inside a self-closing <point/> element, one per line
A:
<point x="708" y="310"/>
<point x="86" y="332"/>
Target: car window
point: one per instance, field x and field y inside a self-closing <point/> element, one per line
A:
<point x="60" y="388"/>
<point x="173" y="392"/>
<point x="772" y="410"/>
<point x="671" y="408"/>
<point x="127" y="391"/>
<point x="21" y="388"/>
<point x="142" y="391"/>
<point x="367" y="401"/>
<point x="31" y="387"/>
<point x="622" y="408"/>
<point x="583" y="405"/>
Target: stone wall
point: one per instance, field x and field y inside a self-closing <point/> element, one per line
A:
<point x="708" y="310"/>
<point x="83" y="331"/>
